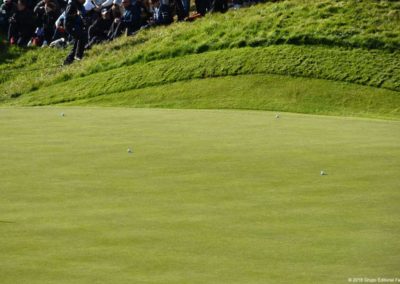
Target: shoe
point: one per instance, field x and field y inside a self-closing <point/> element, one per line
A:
<point x="67" y="62"/>
<point x="77" y="58"/>
<point x="45" y="44"/>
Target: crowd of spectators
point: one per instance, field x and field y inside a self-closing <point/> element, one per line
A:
<point x="83" y="23"/>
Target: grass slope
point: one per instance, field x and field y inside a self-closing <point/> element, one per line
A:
<point x="354" y="66"/>
<point x="206" y="197"/>
<point x="258" y="92"/>
<point x="348" y="41"/>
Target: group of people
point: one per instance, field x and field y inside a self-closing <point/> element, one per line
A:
<point x="83" y="23"/>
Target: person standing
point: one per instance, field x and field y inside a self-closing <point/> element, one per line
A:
<point x="75" y="27"/>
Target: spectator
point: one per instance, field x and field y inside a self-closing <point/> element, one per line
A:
<point x="116" y="12"/>
<point x="98" y="4"/>
<point x="60" y="36"/>
<point x="146" y="11"/>
<point x="22" y="25"/>
<point x="93" y="10"/>
<point x="59" y="28"/>
<point x="7" y="9"/>
<point x="47" y="12"/>
<point x="161" y="13"/>
<point x="75" y="27"/>
<point x="99" y="29"/>
<point x="132" y="17"/>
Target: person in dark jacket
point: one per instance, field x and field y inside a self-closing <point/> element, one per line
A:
<point x="22" y="25"/>
<point x="162" y="14"/>
<point x="130" y="20"/>
<point x="47" y="12"/>
<point x="7" y="9"/>
<point x="75" y="27"/>
<point x="99" y="29"/>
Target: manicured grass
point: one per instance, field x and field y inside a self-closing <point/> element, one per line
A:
<point x="205" y="197"/>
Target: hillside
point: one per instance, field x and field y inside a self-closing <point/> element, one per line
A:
<point x="325" y="57"/>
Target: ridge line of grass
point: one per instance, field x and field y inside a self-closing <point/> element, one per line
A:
<point x="164" y="83"/>
<point x="253" y="92"/>
<point x="355" y="66"/>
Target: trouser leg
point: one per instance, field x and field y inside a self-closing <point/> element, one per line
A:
<point x="71" y="56"/>
<point x="81" y="45"/>
<point x="186" y="7"/>
<point x="12" y="31"/>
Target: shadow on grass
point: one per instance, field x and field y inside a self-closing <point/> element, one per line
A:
<point x="8" y="53"/>
<point x="7" y="222"/>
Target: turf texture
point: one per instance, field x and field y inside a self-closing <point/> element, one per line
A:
<point x="206" y="196"/>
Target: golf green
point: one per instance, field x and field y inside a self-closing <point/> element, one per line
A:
<point x="204" y="197"/>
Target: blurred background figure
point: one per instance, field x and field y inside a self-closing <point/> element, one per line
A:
<point x="46" y="12"/>
<point x="22" y="25"/>
<point x="98" y="31"/>
<point x="7" y="9"/>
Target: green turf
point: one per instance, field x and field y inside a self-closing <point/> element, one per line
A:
<point x="205" y="197"/>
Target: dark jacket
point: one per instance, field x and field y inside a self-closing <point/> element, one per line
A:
<point x="24" y="22"/>
<point x="132" y="18"/>
<point x="7" y="10"/>
<point x="46" y="17"/>
<point x="74" y="24"/>
<point x="163" y="15"/>
<point x="100" y="27"/>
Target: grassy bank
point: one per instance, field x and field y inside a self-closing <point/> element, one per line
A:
<point x="257" y="92"/>
<point x="141" y="83"/>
